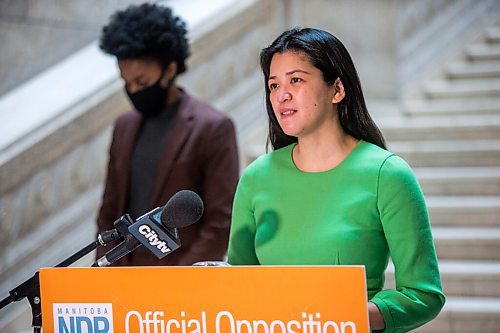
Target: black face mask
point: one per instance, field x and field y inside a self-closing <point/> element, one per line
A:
<point x="151" y="100"/>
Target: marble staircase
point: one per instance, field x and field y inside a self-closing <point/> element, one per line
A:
<point x="450" y="134"/>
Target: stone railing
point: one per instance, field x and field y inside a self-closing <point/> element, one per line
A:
<point x="391" y="42"/>
<point x="414" y="15"/>
<point x="52" y="162"/>
<point x="428" y="30"/>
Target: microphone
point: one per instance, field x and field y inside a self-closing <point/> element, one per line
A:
<point x="157" y="229"/>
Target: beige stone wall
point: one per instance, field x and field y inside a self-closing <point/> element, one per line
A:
<point x="36" y="34"/>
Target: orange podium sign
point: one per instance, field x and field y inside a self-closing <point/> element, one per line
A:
<point x="233" y="299"/>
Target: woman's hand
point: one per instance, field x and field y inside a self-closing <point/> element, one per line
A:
<point x="375" y="317"/>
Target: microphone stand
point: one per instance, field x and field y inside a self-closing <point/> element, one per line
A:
<point x="31" y="287"/>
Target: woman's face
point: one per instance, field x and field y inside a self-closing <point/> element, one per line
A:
<point x="301" y="100"/>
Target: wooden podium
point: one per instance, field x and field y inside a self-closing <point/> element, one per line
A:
<point x="234" y="299"/>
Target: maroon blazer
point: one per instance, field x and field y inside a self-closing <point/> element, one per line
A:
<point x="200" y="155"/>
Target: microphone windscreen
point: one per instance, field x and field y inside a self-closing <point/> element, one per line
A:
<point x="182" y="209"/>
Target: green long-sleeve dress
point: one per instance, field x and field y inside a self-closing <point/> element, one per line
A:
<point x="361" y="212"/>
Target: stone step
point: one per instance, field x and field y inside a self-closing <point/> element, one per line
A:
<point x="461" y="243"/>
<point x="440" y="127"/>
<point x="492" y="35"/>
<point x="473" y="70"/>
<point x="470" y="153"/>
<point x="464" y="211"/>
<point x="463" y="277"/>
<point x="456" y="181"/>
<point x="452" y="106"/>
<point x="470" y="278"/>
<point x="480" y="88"/>
<point x="458" y="153"/>
<point x="466" y="315"/>
<point x="483" y="52"/>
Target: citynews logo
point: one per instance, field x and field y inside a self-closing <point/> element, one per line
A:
<point x="153" y="238"/>
<point x="83" y="317"/>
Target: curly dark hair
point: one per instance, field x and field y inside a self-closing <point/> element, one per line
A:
<point x="147" y="31"/>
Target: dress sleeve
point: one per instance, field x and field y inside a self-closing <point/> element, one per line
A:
<point x="242" y="236"/>
<point x="418" y="296"/>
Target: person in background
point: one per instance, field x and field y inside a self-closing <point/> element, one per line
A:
<point x="330" y="193"/>
<point x="169" y="142"/>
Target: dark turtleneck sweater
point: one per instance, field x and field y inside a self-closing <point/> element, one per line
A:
<point x="148" y="149"/>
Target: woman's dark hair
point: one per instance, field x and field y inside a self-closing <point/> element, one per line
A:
<point x="329" y="55"/>
<point x="147" y="31"/>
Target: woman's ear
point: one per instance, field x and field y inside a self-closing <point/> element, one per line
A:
<point x="338" y="91"/>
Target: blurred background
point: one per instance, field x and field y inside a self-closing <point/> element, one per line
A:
<point x="430" y="71"/>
